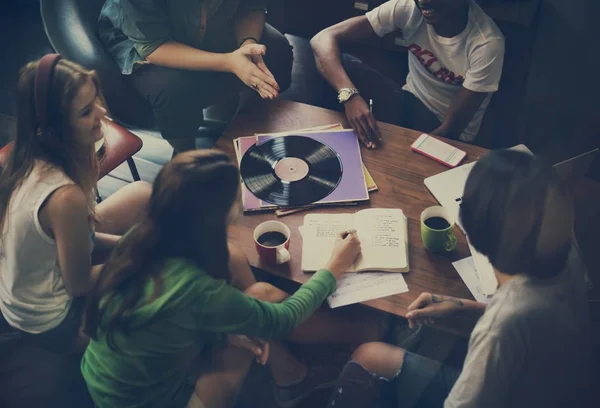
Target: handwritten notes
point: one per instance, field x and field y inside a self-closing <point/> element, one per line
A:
<point x="359" y="287"/>
<point x="381" y="231"/>
<point x="385" y="229"/>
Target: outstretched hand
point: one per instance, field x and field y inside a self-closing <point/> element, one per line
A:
<point x="362" y="121"/>
<point x="427" y="308"/>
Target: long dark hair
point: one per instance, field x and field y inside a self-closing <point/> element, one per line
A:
<point x="187" y="218"/>
<point x="58" y="149"/>
<point x="517" y="212"/>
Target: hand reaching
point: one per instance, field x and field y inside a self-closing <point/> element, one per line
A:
<point x="362" y="121"/>
<point x="257" y="346"/>
<point x="427" y="307"/>
<point x="248" y="65"/>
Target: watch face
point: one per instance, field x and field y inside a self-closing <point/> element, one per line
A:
<point x="344" y="95"/>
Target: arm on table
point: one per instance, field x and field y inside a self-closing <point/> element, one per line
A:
<point x="222" y="308"/>
<point x="326" y="47"/>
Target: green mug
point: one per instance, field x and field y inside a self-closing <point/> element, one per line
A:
<point x="437" y="229"/>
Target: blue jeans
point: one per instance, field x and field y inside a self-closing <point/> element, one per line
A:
<point x="420" y="383"/>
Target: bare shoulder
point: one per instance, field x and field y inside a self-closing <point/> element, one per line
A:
<point x="69" y="201"/>
<point x="66" y="206"/>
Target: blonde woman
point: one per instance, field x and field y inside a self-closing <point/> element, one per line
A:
<point x="49" y="223"/>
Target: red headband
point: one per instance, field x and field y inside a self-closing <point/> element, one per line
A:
<point x="43" y="77"/>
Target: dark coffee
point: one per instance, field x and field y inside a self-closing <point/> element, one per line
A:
<point x="272" y="238"/>
<point x="437" y="223"/>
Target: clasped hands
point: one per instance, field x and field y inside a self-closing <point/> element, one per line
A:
<point x="248" y="65"/>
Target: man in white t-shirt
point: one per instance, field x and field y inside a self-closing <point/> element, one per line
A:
<point x="455" y="63"/>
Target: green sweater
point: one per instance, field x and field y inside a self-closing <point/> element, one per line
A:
<point x="152" y="366"/>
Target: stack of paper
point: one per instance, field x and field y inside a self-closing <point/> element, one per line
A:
<point x="347" y="192"/>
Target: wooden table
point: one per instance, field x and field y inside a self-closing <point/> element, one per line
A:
<point x="399" y="174"/>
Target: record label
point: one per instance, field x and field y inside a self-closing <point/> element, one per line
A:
<point x="291" y="171"/>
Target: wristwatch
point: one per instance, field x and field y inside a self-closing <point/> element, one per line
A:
<point x="345" y="94"/>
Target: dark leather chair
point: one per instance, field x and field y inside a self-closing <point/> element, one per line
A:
<point x="72" y="29"/>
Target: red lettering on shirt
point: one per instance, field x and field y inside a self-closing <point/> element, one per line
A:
<point x="432" y="64"/>
<point x="414" y="48"/>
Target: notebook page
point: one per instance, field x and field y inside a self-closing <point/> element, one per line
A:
<point x="319" y="233"/>
<point x="382" y="232"/>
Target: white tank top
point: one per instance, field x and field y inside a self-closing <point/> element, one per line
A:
<point x="33" y="297"/>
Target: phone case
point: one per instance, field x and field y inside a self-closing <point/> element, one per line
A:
<point x="413" y="148"/>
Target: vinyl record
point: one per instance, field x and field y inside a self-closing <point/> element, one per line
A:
<point x="291" y="171"/>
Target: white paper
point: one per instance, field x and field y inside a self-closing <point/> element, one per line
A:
<point x="484" y="270"/>
<point x="359" y="287"/>
<point x="468" y="273"/>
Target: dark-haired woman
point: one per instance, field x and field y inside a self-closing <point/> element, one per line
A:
<point x="172" y="288"/>
<point x="49" y="221"/>
<point x="530" y="345"/>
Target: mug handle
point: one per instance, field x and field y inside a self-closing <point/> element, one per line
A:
<point x="451" y="243"/>
<point x="283" y="255"/>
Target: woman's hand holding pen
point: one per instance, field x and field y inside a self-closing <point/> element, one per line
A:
<point x="360" y="117"/>
<point x="344" y="254"/>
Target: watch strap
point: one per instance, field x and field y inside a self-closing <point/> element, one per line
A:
<point x="350" y="91"/>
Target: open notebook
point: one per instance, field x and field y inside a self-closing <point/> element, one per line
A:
<point x="383" y="233"/>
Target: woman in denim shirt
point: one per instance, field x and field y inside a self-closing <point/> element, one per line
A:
<point x="185" y="55"/>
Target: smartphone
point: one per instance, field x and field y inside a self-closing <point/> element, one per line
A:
<point x="437" y="150"/>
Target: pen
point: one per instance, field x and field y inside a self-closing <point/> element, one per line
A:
<point x="348" y="232"/>
<point x="371" y="105"/>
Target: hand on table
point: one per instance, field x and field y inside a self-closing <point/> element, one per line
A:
<point x="427" y="307"/>
<point x="344" y="254"/>
<point x="248" y="65"/>
<point x="362" y="121"/>
<point x="257" y="346"/>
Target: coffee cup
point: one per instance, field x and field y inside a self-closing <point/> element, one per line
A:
<point x="437" y="229"/>
<point x="272" y="241"/>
